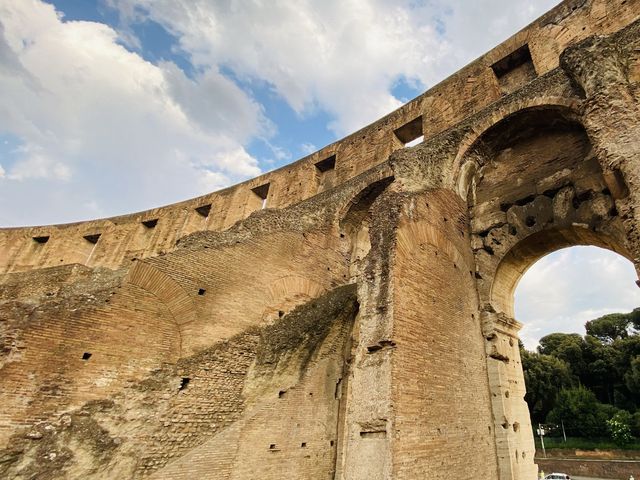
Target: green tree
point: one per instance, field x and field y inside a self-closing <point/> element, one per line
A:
<point x="544" y="377"/>
<point x="568" y="347"/>
<point x="582" y="414"/>
<point x="601" y="372"/>
<point x="610" y="327"/>
<point x="632" y="375"/>
<point x="620" y="428"/>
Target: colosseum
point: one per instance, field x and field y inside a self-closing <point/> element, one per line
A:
<point x="348" y="316"/>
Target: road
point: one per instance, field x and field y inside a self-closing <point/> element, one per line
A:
<point x="590" y="478"/>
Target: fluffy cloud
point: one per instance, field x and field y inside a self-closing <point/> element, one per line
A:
<point x="102" y="131"/>
<point x="340" y="56"/>
<point x="563" y="290"/>
<point x="100" y="126"/>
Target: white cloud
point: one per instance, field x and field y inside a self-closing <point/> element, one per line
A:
<point x="341" y="56"/>
<point x="565" y="289"/>
<point x="308" y="148"/>
<point x="101" y="125"/>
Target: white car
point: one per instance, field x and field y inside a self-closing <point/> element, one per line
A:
<point x="557" y="476"/>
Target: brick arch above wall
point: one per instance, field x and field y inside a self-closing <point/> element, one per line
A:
<point x="288" y="292"/>
<point x="464" y="165"/>
<point x="165" y="289"/>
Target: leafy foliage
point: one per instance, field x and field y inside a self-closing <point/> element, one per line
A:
<point x="620" y="429"/>
<point x="582" y="414"/>
<point x="590" y="383"/>
<point x="544" y="376"/>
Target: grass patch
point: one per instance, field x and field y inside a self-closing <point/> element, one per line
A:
<point x="584" y="444"/>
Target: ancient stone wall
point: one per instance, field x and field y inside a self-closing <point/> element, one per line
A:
<point x="360" y="326"/>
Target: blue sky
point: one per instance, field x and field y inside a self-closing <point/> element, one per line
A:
<point x="113" y="106"/>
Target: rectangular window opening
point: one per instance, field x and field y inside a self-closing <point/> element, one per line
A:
<point x="184" y="383"/>
<point x="203" y="210"/>
<point x="86" y="356"/>
<point x="41" y="239"/>
<point x="262" y="192"/>
<point x="92" y="238"/>
<point x="410" y="134"/>
<point x="327" y="164"/>
<point x="150" y="223"/>
<point x="512" y="61"/>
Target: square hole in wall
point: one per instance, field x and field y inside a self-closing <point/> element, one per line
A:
<point x="203" y="210"/>
<point x="515" y="70"/>
<point x="184" y="383"/>
<point x="327" y="164"/>
<point x="150" y="223"/>
<point x="41" y="239"/>
<point x="92" y="238"/>
<point x="410" y="134"/>
<point x="86" y="356"/>
<point x="262" y="192"/>
<point x="201" y="291"/>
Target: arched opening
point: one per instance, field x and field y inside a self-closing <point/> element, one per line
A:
<point x="525" y="254"/>
<point x="568" y="287"/>
<point x="580" y="344"/>
<point x="355" y="223"/>
<point x="535" y="186"/>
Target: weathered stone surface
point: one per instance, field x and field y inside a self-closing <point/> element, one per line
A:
<point x="359" y="327"/>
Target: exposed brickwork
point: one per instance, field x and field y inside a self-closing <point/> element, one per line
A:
<point x="359" y="327"/>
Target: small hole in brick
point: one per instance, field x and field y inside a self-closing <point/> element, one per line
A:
<point x="530" y="221"/>
<point x="280" y="314"/>
<point x="41" y="239"/>
<point x="281" y="393"/>
<point x="86" y="355"/>
<point x="516" y="426"/>
<point x="303" y="445"/>
<point x="150" y="223"/>
<point x="203" y="210"/>
<point x="326" y="164"/>
<point x="92" y="238"/>
<point x="184" y="383"/>
<point x="201" y="291"/>
<point x="272" y="446"/>
<point x="331" y="443"/>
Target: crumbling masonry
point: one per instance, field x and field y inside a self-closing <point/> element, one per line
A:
<point x="358" y="327"/>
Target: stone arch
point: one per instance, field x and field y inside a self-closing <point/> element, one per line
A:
<point x="527" y="252"/>
<point x="535" y="171"/>
<point x="466" y="161"/>
<point x="535" y="186"/>
<point x="355" y="221"/>
<point x="165" y="288"/>
<point x="286" y="293"/>
<point x="169" y="292"/>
